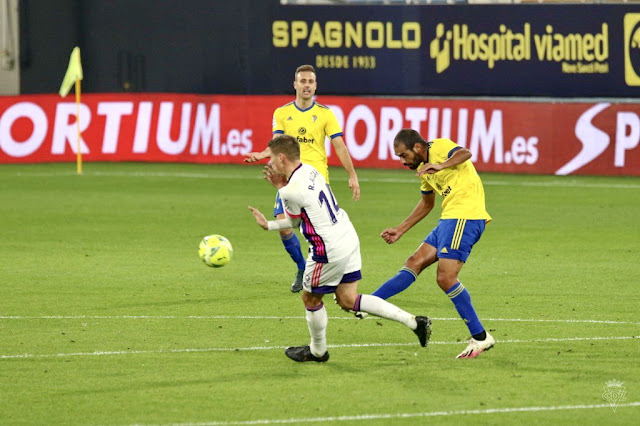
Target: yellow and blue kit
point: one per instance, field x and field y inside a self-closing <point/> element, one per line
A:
<point x="309" y="126"/>
<point x="464" y="214"/>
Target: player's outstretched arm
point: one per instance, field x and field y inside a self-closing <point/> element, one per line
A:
<point x="252" y="157"/>
<point x="422" y="209"/>
<point x="260" y="219"/>
<point x="273" y="225"/>
<point x="343" y="154"/>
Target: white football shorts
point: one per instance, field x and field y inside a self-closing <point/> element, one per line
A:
<point x="324" y="278"/>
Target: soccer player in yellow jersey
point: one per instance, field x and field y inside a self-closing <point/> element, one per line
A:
<point x="309" y="122"/>
<point x="444" y="167"/>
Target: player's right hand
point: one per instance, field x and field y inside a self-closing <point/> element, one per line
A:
<point x="391" y="235"/>
<point x="252" y="157"/>
<point x="429" y="168"/>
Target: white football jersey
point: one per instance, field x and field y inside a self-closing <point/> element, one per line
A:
<point x="327" y="227"/>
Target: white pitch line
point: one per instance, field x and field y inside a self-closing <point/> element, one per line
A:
<point x="560" y="183"/>
<point x="234" y="317"/>
<point x="268" y="348"/>
<point x="362" y="417"/>
<point x="588" y="321"/>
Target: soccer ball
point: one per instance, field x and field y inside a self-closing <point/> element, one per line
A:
<point x="215" y="251"/>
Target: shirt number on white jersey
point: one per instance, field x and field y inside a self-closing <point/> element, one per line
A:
<point x="322" y="197"/>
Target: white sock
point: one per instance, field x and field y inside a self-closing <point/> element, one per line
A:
<point x="380" y="307"/>
<point x="317" y="322"/>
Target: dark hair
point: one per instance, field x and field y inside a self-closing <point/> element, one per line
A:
<point x="304" y="68"/>
<point x="408" y="138"/>
<point x="288" y="145"/>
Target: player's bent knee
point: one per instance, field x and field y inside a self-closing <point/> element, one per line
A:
<point x="416" y="263"/>
<point x="345" y="301"/>
<point x="285" y="233"/>
<point x="310" y="300"/>
<point x="446" y="281"/>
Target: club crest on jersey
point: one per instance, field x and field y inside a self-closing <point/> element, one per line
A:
<point x="314" y="117"/>
<point x="302" y="131"/>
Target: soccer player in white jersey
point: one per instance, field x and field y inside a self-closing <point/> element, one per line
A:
<point x="310" y="123"/>
<point x="334" y="260"/>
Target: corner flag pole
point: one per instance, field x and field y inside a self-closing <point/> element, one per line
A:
<point x="78" y="148"/>
<point x="74" y="74"/>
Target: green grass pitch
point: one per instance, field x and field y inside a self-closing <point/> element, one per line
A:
<point x="107" y="316"/>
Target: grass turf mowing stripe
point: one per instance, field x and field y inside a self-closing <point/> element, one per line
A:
<point x="189" y="175"/>
<point x="234" y="317"/>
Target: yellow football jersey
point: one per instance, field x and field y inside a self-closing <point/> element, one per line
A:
<point x="460" y="186"/>
<point x="309" y="127"/>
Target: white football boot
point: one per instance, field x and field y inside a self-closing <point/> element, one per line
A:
<point x="476" y="347"/>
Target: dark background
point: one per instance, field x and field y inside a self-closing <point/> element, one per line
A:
<point x="190" y="46"/>
<point x="225" y="47"/>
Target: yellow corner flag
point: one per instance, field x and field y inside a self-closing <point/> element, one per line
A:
<point x="74" y="72"/>
<point x="71" y="77"/>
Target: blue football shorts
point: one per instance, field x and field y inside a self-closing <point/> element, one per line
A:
<point x="454" y="238"/>
<point x="277" y="207"/>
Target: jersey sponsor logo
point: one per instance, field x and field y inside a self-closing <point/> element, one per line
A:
<point x="302" y="131"/>
<point x="302" y="139"/>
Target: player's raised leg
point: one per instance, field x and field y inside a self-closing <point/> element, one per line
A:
<point x="348" y="298"/>
<point x="291" y="245"/>
<point x="424" y="256"/>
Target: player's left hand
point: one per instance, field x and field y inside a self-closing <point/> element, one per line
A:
<point x="355" y="187"/>
<point x="260" y="219"/>
<point x="429" y="168"/>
